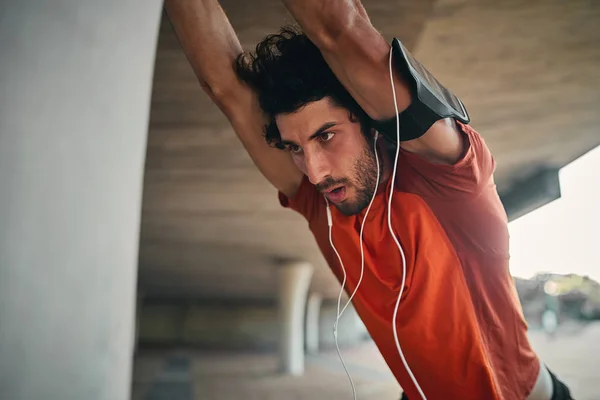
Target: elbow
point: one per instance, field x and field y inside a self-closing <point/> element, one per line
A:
<point x="221" y="95"/>
<point x="215" y="92"/>
<point x="222" y="85"/>
<point x="231" y="98"/>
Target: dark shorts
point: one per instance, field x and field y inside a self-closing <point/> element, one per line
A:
<point x="560" y="391"/>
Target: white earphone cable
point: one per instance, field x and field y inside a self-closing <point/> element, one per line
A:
<point x="362" y="226"/>
<point x="330" y="223"/>
<point x="400" y="352"/>
<point x="362" y="270"/>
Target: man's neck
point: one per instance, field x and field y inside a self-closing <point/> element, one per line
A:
<point x="387" y="153"/>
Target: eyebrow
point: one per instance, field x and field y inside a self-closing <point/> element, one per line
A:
<point x="318" y="132"/>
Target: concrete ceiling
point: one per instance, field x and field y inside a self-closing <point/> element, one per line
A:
<point x="529" y="73"/>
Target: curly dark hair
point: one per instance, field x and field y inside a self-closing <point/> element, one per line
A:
<point x="288" y="71"/>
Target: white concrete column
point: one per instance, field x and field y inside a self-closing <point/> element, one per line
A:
<point x="294" y="281"/>
<point x="139" y="303"/>
<point x="313" y="313"/>
<point x="75" y="87"/>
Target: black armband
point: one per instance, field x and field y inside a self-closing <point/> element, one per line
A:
<point x="430" y="102"/>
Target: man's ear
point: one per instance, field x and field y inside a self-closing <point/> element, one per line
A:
<point x="352" y="117"/>
<point x="374" y="134"/>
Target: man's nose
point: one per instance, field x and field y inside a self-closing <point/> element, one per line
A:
<point x="317" y="168"/>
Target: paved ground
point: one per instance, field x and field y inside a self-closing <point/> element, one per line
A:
<point x="574" y="354"/>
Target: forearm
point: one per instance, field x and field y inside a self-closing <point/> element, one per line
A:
<point x="209" y="42"/>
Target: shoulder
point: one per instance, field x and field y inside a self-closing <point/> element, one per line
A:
<point x="464" y="178"/>
<point x="307" y="200"/>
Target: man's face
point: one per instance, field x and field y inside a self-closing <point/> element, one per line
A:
<point x="332" y="151"/>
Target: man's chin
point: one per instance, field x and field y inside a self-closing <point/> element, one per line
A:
<point x="349" y="208"/>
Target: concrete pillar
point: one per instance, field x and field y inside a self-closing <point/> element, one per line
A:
<point x="294" y="281"/>
<point x="75" y="86"/>
<point x="139" y="303"/>
<point x="313" y="311"/>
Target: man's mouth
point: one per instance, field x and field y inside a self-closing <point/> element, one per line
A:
<point x="336" y="194"/>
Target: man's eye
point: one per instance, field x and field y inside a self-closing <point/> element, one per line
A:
<point x="326" y="136"/>
<point x="294" y="148"/>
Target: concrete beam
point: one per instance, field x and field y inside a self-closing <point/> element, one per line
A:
<point x="532" y="193"/>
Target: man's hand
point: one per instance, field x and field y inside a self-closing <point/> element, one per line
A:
<point x="359" y="57"/>
<point x="212" y="46"/>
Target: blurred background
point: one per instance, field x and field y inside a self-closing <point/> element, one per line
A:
<point x="143" y="255"/>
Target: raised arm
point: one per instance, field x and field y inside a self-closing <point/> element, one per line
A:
<point x="359" y="57"/>
<point x="212" y="46"/>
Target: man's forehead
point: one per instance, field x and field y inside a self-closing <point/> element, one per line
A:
<point x="319" y="131"/>
<point x="310" y="119"/>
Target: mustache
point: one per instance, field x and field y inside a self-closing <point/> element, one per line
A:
<point x="330" y="182"/>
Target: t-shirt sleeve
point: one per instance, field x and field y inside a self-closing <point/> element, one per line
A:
<point x="306" y="201"/>
<point x="465" y="178"/>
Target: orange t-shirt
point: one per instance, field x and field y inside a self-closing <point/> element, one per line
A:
<point x="459" y="323"/>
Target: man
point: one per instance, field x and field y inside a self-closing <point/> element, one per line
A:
<point x="318" y="97"/>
